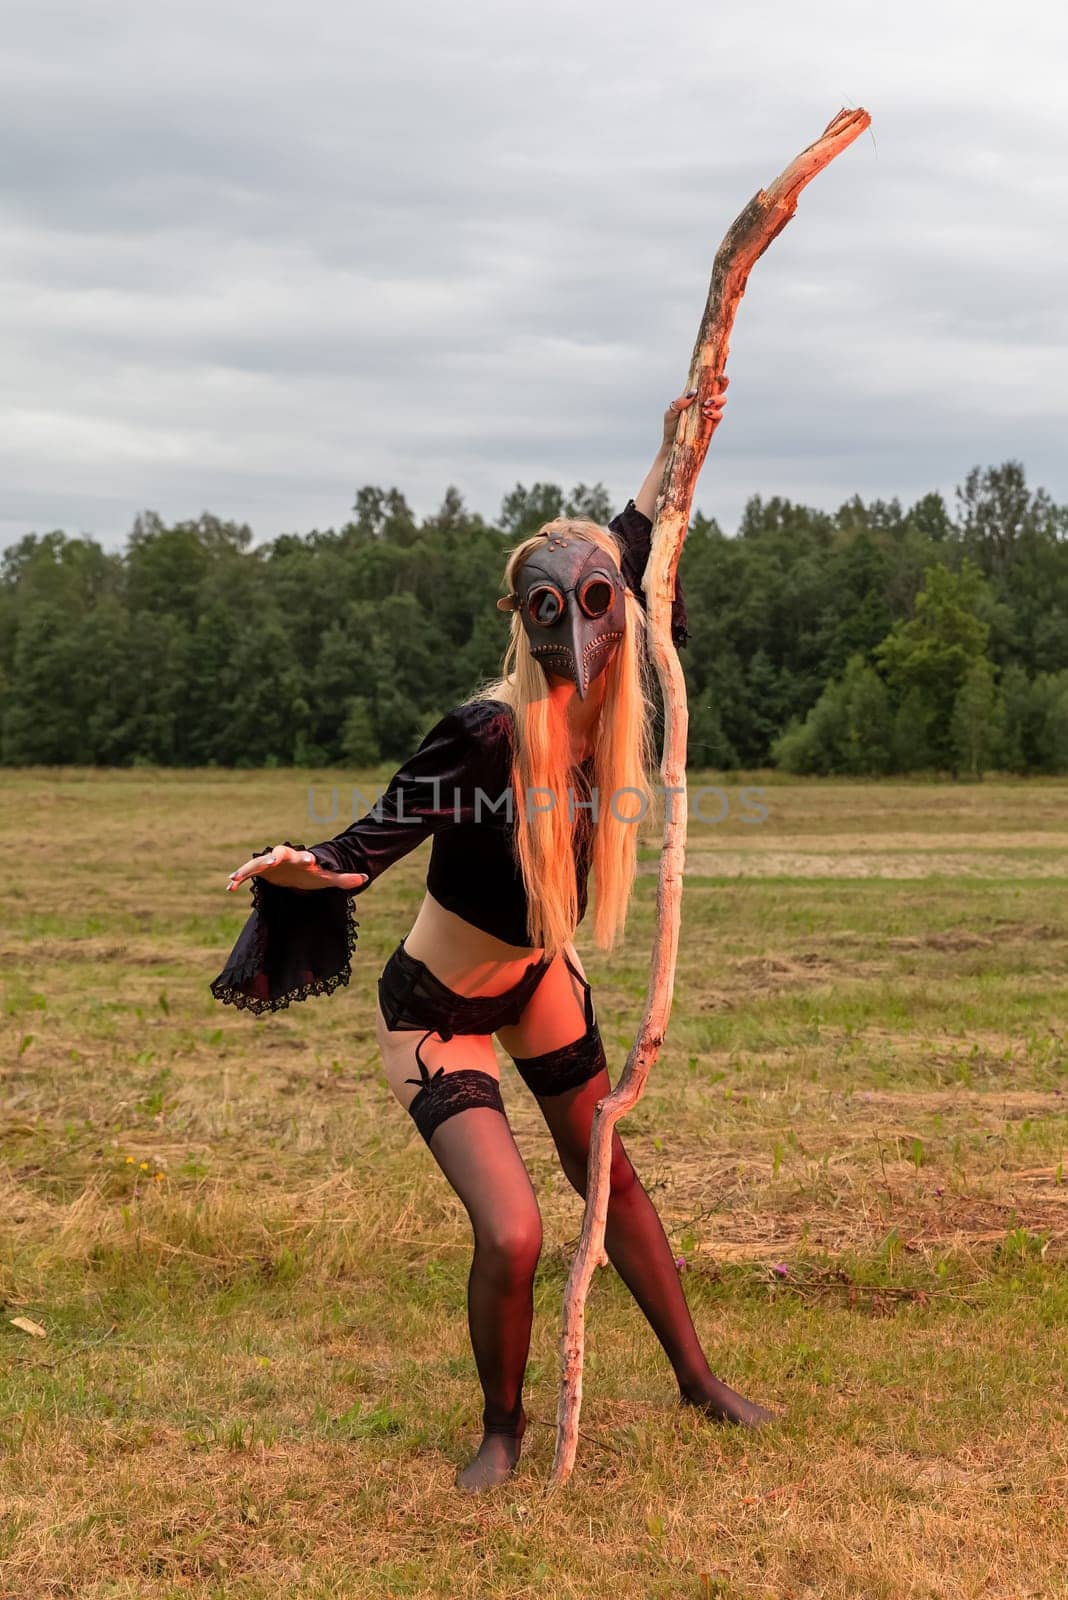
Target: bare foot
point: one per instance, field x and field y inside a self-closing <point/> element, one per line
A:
<point x="724" y="1405"/>
<point x="494" y="1463"/>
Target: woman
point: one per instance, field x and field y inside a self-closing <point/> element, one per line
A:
<point x="525" y="788"/>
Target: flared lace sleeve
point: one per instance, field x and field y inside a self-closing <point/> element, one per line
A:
<point x="634" y="533"/>
<point x="299" y="942"/>
<point x="296" y="943"/>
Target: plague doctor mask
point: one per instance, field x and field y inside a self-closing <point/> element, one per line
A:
<point x="571" y="600"/>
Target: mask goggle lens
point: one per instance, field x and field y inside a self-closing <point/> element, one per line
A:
<point x="545" y="605"/>
<point x="596" y="595"/>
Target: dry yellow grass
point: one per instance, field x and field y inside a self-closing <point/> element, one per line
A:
<point x="255" y="1379"/>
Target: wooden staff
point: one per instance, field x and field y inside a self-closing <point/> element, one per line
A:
<point x="745" y="241"/>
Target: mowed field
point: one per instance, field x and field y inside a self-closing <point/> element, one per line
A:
<point x="254" y="1378"/>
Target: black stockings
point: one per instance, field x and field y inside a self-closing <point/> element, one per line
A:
<point x="638" y="1248"/>
<point x="478" y="1155"/>
<point x="476" y="1151"/>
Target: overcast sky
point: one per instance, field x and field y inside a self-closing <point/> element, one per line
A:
<point x="255" y="254"/>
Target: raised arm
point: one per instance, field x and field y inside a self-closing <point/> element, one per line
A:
<point x="633" y="527"/>
<point x="711" y="409"/>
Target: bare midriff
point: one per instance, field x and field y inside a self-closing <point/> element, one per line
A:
<point x="463" y="957"/>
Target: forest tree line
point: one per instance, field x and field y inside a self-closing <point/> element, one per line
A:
<point x="873" y="639"/>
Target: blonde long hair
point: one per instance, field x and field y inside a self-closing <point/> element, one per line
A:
<point x="622" y="759"/>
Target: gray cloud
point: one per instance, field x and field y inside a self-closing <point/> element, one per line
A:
<point x="253" y="258"/>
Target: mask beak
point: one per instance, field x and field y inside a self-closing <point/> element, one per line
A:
<point x="567" y="657"/>
<point x="580" y="675"/>
<point x="566" y="640"/>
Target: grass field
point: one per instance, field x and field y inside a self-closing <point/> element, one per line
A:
<point x="255" y="1377"/>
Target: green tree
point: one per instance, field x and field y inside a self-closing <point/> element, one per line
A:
<point x="707" y="744"/>
<point x="974" y="725"/>
<point x="999" y="516"/>
<point x="524" y="510"/>
<point x="913" y="736"/>
<point x="926" y="659"/>
<point x="194" y="645"/>
<point x="1017" y="732"/>
<point x="1051" y="734"/>
<point x="44" y="717"/>
<point x="383" y="514"/>
<point x="930" y="517"/>
<point x="848" y="730"/>
<point x="359" y="747"/>
<point x="589" y="503"/>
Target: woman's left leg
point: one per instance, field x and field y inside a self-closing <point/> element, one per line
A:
<point x="554" y="1042"/>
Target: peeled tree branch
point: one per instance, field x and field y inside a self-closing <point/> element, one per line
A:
<point x="744" y="243"/>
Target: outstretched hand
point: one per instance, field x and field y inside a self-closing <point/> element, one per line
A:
<point x="292" y="869"/>
<point x="711" y="409"/>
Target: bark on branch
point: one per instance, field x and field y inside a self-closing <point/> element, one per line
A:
<point x="744" y="243"/>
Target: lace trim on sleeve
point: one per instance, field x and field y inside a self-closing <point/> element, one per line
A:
<point x="288" y="951"/>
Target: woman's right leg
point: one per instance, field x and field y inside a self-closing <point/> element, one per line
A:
<point x="565" y="1069"/>
<point x="463" y="1122"/>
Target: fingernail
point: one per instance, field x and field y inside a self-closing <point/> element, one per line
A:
<point x="690" y="394"/>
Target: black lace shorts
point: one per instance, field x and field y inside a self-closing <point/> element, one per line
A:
<point x="411" y="997"/>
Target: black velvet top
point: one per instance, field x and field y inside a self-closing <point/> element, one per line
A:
<point x="456" y="790"/>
